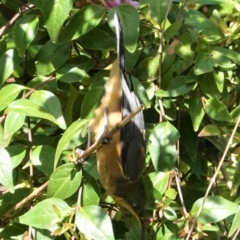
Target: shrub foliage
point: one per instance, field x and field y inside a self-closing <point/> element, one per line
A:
<point x="184" y="60"/>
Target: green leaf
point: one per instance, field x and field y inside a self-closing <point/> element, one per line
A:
<point x="9" y="93"/>
<point x="49" y="103"/>
<point x="8" y="63"/>
<point x="158" y="9"/>
<point x="91" y="102"/>
<point x="17" y="153"/>
<point x="235" y="114"/>
<point x="140" y="92"/>
<point x="158" y="182"/>
<point x="70" y="73"/>
<point x="209" y="130"/>
<point x="219" y="79"/>
<point x="236" y="178"/>
<point x="43" y="158"/>
<point x="64" y="181"/>
<point x="94" y="223"/>
<point x="13" y="122"/>
<point x="195" y="108"/>
<point x="217" y="110"/>
<point x="91" y="191"/>
<point x="129" y="20"/>
<point x="82" y="22"/>
<point x="235" y="223"/>
<point x="94" y="40"/>
<point x="183" y="48"/>
<point x="54" y="14"/>
<point x="171" y="193"/>
<point x="24" y="106"/>
<point x="43" y="215"/>
<point x="204" y="63"/>
<point x="148" y="68"/>
<point x="162" y="146"/>
<point x="6" y="178"/>
<point x="184" y="89"/>
<point x="208" y="29"/>
<point x="51" y="56"/>
<point x="4" y="142"/>
<point x="24" y="31"/>
<point x="75" y="128"/>
<point x="232" y="55"/>
<point x="169" y="213"/>
<point x="214" y="210"/>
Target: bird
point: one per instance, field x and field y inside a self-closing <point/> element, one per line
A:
<point x="121" y="159"/>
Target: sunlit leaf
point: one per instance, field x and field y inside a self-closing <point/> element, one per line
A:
<point x="94" y="223"/>
<point x="64" y="181"/>
<point x="214" y="210"/>
<point x="6" y="178"/>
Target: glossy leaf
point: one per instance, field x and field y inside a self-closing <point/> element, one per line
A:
<point x="162" y="146"/>
<point x="8" y="62"/>
<point x="147" y="68"/>
<point x="93" y="40"/>
<point x="209" y="130"/>
<point x="43" y="158"/>
<point x="91" y="190"/>
<point x="43" y="215"/>
<point x="211" y="31"/>
<point x="91" y="102"/>
<point x="158" y="9"/>
<point x="94" y="223"/>
<point x="196" y="109"/>
<point x="13" y="122"/>
<point x="217" y="110"/>
<point x="50" y="57"/>
<point x="6" y="178"/>
<point x="75" y="128"/>
<point x="17" y="153"/>
<point x="36" y="109"/>
<point x="70" y="73"/>
<point x="9" y="93"/>
<point x="50" y="104"/>
<point x="235" y="223"/>
<point x="82" y="22"/>
<point x="4" y="142"/>
<point x="204" y="63"/>
<point x="214" y="210"/>
<point x="64" y="181"/>
<point x="140" y="92"/>
<point x="24" y="32"/>
<point x="54" y="14"/>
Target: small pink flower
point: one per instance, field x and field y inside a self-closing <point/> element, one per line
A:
<point x="114" y="3"/>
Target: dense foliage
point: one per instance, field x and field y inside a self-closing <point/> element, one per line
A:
<point x="184" y="60"/>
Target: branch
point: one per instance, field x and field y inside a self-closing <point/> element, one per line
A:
<point x="212" y="181"/>
<point x="22" y="203"/>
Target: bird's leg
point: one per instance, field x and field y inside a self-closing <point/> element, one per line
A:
<point x="79" y="151"/>
<point x="103" y="139"/>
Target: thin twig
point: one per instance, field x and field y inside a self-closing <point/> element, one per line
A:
<point x="27" y="199"/>
<point x="77" y="209"/>
<point x="212" y="181"/>
<point x="236" y="234"/>
<point x="160" y="50"/>
<point x="185" y="214"/>
<point x="13" y="19"/>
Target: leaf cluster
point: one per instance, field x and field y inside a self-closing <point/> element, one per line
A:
<point x="55" y="57"/>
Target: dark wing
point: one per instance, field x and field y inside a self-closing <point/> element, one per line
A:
<point x="132" y="135"/>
